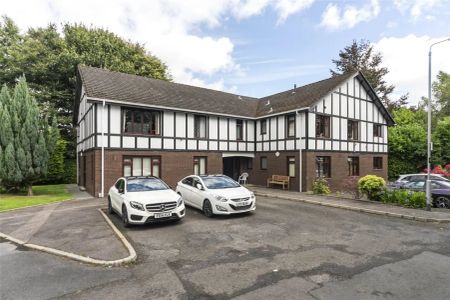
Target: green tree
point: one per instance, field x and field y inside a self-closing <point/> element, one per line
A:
<point x="441" y="89"/>
<point x="49" y="59"/>
<point x="26" y="149"/>
<point x="441" y="141"/>
<point x="360" y="56"/>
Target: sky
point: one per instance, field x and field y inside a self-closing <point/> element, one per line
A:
<point x="261" y="47"/>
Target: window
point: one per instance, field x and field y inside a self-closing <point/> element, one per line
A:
<point x="353" y="166"/>
<point x="378" y="163"/>
<point x="352" y="130"/>
<point x="290" y="126"/>
<point x="196" y="182"/>
<point x="139" y="121"/>
<point x="377" y="130"/>
<point x="291" y="166"/>
<point x="249" y="163"/>
<point x="323" y="166"/>
<point x="263" y="163"/>
<point x="322" y="126"/>
<point x="239" y="130"/>
<point x="187" y="181"/>
<point x="263" y="126"/>
<point x="120" y="184"/>
<point x="199" y="165"/>
<point x="142" y="166"/>
<point x="200" y="127"/>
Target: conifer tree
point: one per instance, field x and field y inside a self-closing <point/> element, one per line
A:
<point x="25" y="138"/>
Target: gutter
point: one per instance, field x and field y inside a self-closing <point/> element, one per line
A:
<point x="102" y="189"/>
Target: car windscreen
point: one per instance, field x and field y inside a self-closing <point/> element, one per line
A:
<point x="219" y="182"/>
<point x="145" y="185"/>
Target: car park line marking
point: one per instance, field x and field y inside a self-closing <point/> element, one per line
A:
<point x="130" y="258"/>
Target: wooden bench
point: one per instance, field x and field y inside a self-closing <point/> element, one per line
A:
<point x="280" y="180"/>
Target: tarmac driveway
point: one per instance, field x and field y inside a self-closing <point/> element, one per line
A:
<point x="286" y="250"/>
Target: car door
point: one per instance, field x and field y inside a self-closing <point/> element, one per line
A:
<point x="185" y="189"/>
<point x="117" y="195"/>
<point x="198" y="194"/>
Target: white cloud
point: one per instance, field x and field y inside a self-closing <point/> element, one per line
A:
<point x="407" y="60"/>
<point x="285" y="8"/>
<point x="168" y="28"/>
<point x="333" y="18"/>
<point x="415" y="8"/>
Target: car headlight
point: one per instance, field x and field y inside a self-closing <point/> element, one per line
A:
<point x="220" y="198"/>
<point x="136" y="205"/>
<point x="252" y="196"/>
<point x="179" y="201"/>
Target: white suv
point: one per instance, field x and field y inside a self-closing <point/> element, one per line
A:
<point x="216" y="194"/>
<point x="146" y="199"/>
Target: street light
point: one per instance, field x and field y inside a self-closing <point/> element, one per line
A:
<point x="429" y="145"/>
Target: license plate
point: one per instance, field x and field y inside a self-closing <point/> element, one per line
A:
<point x="243" y="203"/>
<point x="163" y="215"/>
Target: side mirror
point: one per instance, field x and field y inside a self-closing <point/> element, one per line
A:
<point x="121" y="191"/>
<point x="199" y="186"/>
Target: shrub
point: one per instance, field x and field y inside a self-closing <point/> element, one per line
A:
<point x="372" y="186"/>
<point x="350" y="186"/>
<point x="321" y="187"/>
<point x="404" y="198"/>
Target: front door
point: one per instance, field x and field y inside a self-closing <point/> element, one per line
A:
<point x="232" y="167"/>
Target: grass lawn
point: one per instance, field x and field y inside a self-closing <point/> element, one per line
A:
<point x="43" y="194"/>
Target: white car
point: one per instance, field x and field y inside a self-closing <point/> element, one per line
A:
<point x="146" y="199"/>
<point x="216" y="194"/>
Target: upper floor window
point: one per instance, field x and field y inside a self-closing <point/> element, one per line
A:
<point x="239" y="130"/>
<point x="322" y="126"/>
<point x="377" y="130"/>
<point x="199" y="126"/>
<point x="139" y="121"/>
<point x="290" y="125"/>
<point x="263" y="126"/>
<point x="352" y="130"/>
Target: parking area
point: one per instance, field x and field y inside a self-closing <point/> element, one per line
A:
<point x="285" y="249"/>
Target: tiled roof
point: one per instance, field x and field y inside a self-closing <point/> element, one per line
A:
<point x="104" y="84"/>
<point x="299" y="97"/>
<point x="109" y="85"/>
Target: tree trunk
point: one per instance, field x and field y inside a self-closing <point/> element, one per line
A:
<point x="30" y="190"/>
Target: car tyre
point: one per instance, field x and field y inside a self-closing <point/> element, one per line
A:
<point x="110" y="209"/>
<point x="125" y="221"/>
<point x="442" y="202"/>
<point x="207" y="209"/>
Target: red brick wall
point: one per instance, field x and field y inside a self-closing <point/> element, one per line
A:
<point x="176" y="165"/>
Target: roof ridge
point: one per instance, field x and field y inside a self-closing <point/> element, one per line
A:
<point x="308" y="84"/>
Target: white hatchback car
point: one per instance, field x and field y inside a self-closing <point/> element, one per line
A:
<point x="146" y="199"/>
<point x="216" y="194"/>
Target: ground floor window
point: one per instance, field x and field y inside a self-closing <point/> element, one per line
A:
<point x="291" y="166"/>
<point x="263" y="163"/>
<point x="323" y="166"/>
<point x="200" y="165"/>
<point x="378" y="163"/>
<point x="353" y="166"/>
<point x="142" y="166"/>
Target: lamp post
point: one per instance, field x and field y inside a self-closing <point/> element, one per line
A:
<point x="429" y="145"/>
